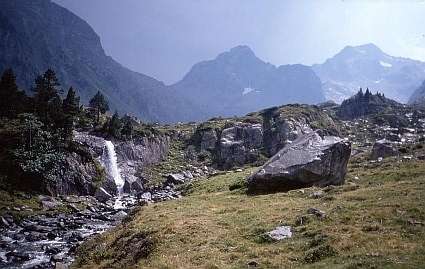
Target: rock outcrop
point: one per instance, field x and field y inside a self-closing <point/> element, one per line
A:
<point x="131" y="156"/>
<point x="238" y="141"/>
<point x="240" y="144"/>
<point x="136" y="154"/>
<point x="309" y="161"/>
<point x="382" y="149"/>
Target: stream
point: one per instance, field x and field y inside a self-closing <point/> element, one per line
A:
<point x="49" y="240"/>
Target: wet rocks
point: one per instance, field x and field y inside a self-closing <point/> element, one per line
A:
<point x="309" y="161"/>
<point x="382" y="149"/>
<point x="102" y="195"/>
<point x="49" y="240"/>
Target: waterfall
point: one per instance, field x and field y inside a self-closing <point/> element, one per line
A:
<point x="112" y="165"/>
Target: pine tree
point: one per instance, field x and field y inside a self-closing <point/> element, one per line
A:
<point x="114" y="127"/>
<point x="367" y="93"/>
<point x="100" y="104"/>
<point x="47" y="97"/>
<point x="127" y="128"/>
<point x="71" y="108"/>
<point x="12" y="101"/>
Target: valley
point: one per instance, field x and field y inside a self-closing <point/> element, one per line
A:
<point x="291" y="135"/>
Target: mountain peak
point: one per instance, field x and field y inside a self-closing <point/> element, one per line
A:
<point x="369" y="49"/>
<point x="238" y="51"/>
<point x="241" y="49"/>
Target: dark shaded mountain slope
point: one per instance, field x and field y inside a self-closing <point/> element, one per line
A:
<point x="39" y="34"/>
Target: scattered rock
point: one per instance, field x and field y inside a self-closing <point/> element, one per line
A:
<point x="175" y="179"/>
<point x="280" y="233"/>
<point x="317" y="194"/>
<point x="252" y="264"/>
<point x="317" y="212"/>
<point x="382" y="149"/>
<point x="309" y="161"/>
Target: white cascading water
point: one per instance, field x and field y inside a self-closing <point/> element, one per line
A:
<point x="114" y="171"/>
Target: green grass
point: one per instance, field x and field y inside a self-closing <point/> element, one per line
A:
<point x="376" y="221"/>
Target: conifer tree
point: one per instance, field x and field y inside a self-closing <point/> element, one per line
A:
<point x="114" y="127"/>
<point x="47" y="99"/>
<point x="71" y="108"/>
<point x="12" y="101"/>
<point x="100" y="104"/>
<point x="127" y="128"/>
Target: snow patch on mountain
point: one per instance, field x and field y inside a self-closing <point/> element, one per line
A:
<point x="247" y="90"/>
<point x="385" y="64"/>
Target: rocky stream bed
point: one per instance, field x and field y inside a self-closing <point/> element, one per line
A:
<point x="49" y="240"/>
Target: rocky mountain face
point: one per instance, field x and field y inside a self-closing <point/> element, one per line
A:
<point x="257" y="136"/>
<point x="237" y="82"/>
<point x="368" y="66"/>
<point x="37" y="35"/>
<point x="418" y="97"/>
<point x="363" y="104"/>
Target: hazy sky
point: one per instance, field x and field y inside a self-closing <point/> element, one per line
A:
<point x="164" y="38"/>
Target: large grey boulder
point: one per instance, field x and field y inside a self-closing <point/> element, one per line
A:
<point x="382" y="149"/>
<point x="309" y="161"/>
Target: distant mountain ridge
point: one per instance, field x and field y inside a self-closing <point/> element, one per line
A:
<point x="237" y="82"/>
<point x="368" y="66"/>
